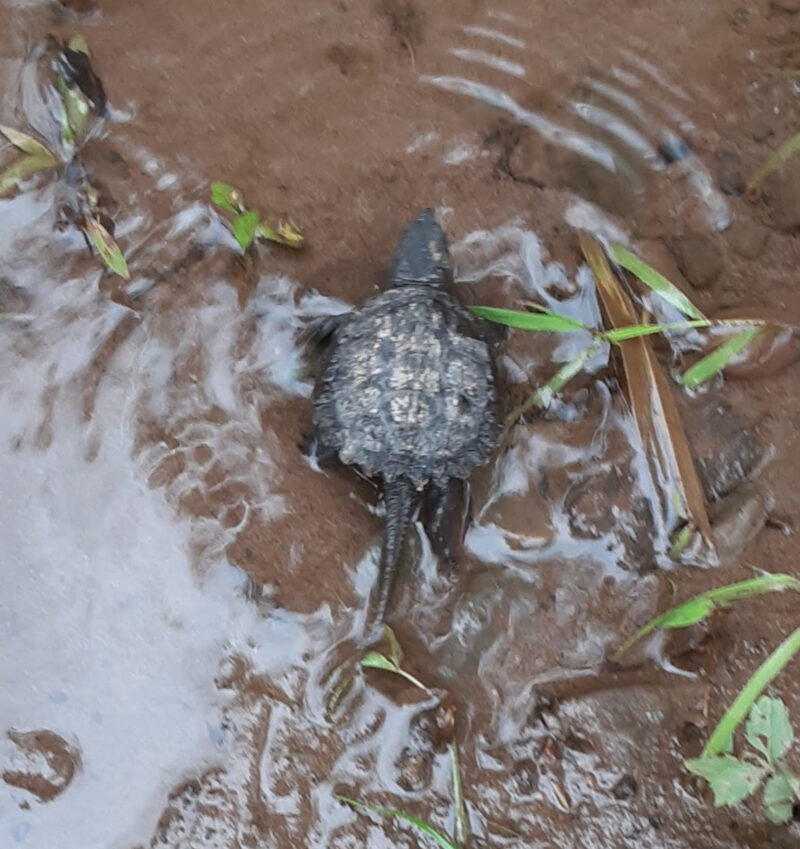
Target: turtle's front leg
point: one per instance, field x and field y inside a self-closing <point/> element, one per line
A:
<point x="313" y="448"/>
<point x="320" y="331"/>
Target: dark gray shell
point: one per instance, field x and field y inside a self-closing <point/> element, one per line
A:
<point x="409" y="389"/>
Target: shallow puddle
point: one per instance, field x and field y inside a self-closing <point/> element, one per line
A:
<point x="179" y="581"/>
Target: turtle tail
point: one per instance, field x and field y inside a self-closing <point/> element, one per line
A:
<point x="398" y="497"/>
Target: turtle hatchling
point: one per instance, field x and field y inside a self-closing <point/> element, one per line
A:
<point x="407" y="392"/>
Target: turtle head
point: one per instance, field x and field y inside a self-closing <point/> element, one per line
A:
<point x="422" y="256"/>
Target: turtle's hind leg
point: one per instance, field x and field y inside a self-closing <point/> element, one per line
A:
<point x="443" y="513"/>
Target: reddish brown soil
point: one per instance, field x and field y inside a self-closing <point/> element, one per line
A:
<point x="316" y="110"/>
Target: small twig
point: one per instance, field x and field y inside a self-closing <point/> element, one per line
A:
<point x="405" y="41"/>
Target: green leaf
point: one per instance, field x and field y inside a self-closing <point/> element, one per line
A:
<point x="687" y="614"/>
<point x="395" y="652"/>
<point x="731" y="780"/>
<point x="27" y="144"/>
<point x="106" y="246"/>
<point x="721" y="595"/>
<point x="78" y="44"/>
<point x="655" y="281"/>
<point x="539" y="321"/>
<point x="227" y="197"/>
<point x="426" y="829"/>
<point x="780" y="155"/>
<point x="768" y="729"/>
<point x="681" y="539"/>
<point x="67" y="135"/>
<point x="634" y="331"/>
<point x="755" y="686"/>
<point x="780" y="794"/>
<point x="20" y="170"/>
<point x="375" y="660"/>
<point x="244" y="228"/>
<point x="342" y="677"/>
<point x="285" y="233"/>
<point x="77" y="110"/>
<point x="703" y="369"/>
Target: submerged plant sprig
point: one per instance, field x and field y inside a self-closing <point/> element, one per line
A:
<point x="700" y="606"/>
<point x="767" y="731"/>
<point x="461" y="827"/>
<point x="704" y="369"/>
<point x="98" y="232"/>
<point x="247" y="224"/>
<point x="428" y="830"/>
<point x="789" y="147"/>
<point x="35" y="158"/>
<point x="655" y="281"/>
<point x="386" y="656"/>
<point x="81" y="95"/>
<point x="74" y="78"/>
<point x="543" y="320"/>
<point x="769" y="736"/>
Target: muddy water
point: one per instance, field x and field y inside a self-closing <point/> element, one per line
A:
<point x="178" y="580"/>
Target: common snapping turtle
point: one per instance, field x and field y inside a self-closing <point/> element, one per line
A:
<point x="407" y="392"/>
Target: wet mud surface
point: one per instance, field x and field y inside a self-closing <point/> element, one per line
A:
<point x="179" y="580"/>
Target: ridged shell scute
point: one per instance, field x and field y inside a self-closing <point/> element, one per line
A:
<point x="409" y="388"/>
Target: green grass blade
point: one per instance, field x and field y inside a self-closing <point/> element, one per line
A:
<point x="634" y="331"/>
<point x="700" y="606"/>
<point x="722" y="735"/>
<point x="655" y="281"/>
<point x="539" y="308"/>
<point x="714" y="362"/>
<point x="559" y="380"/>
<point x="543" y="396"/>
<point x="16" y="316"/>
<point x="108" y="249"/>
<point x="772" y="162"/>
<point x="77" y="111"/>
<point x="27" y="144"/>
<point x="458" y="797"/>
<point x="426" y="829"/>
<point x="67" y="136"/>
<point x="20" y="170"/>
<point x="544" y="322"/>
